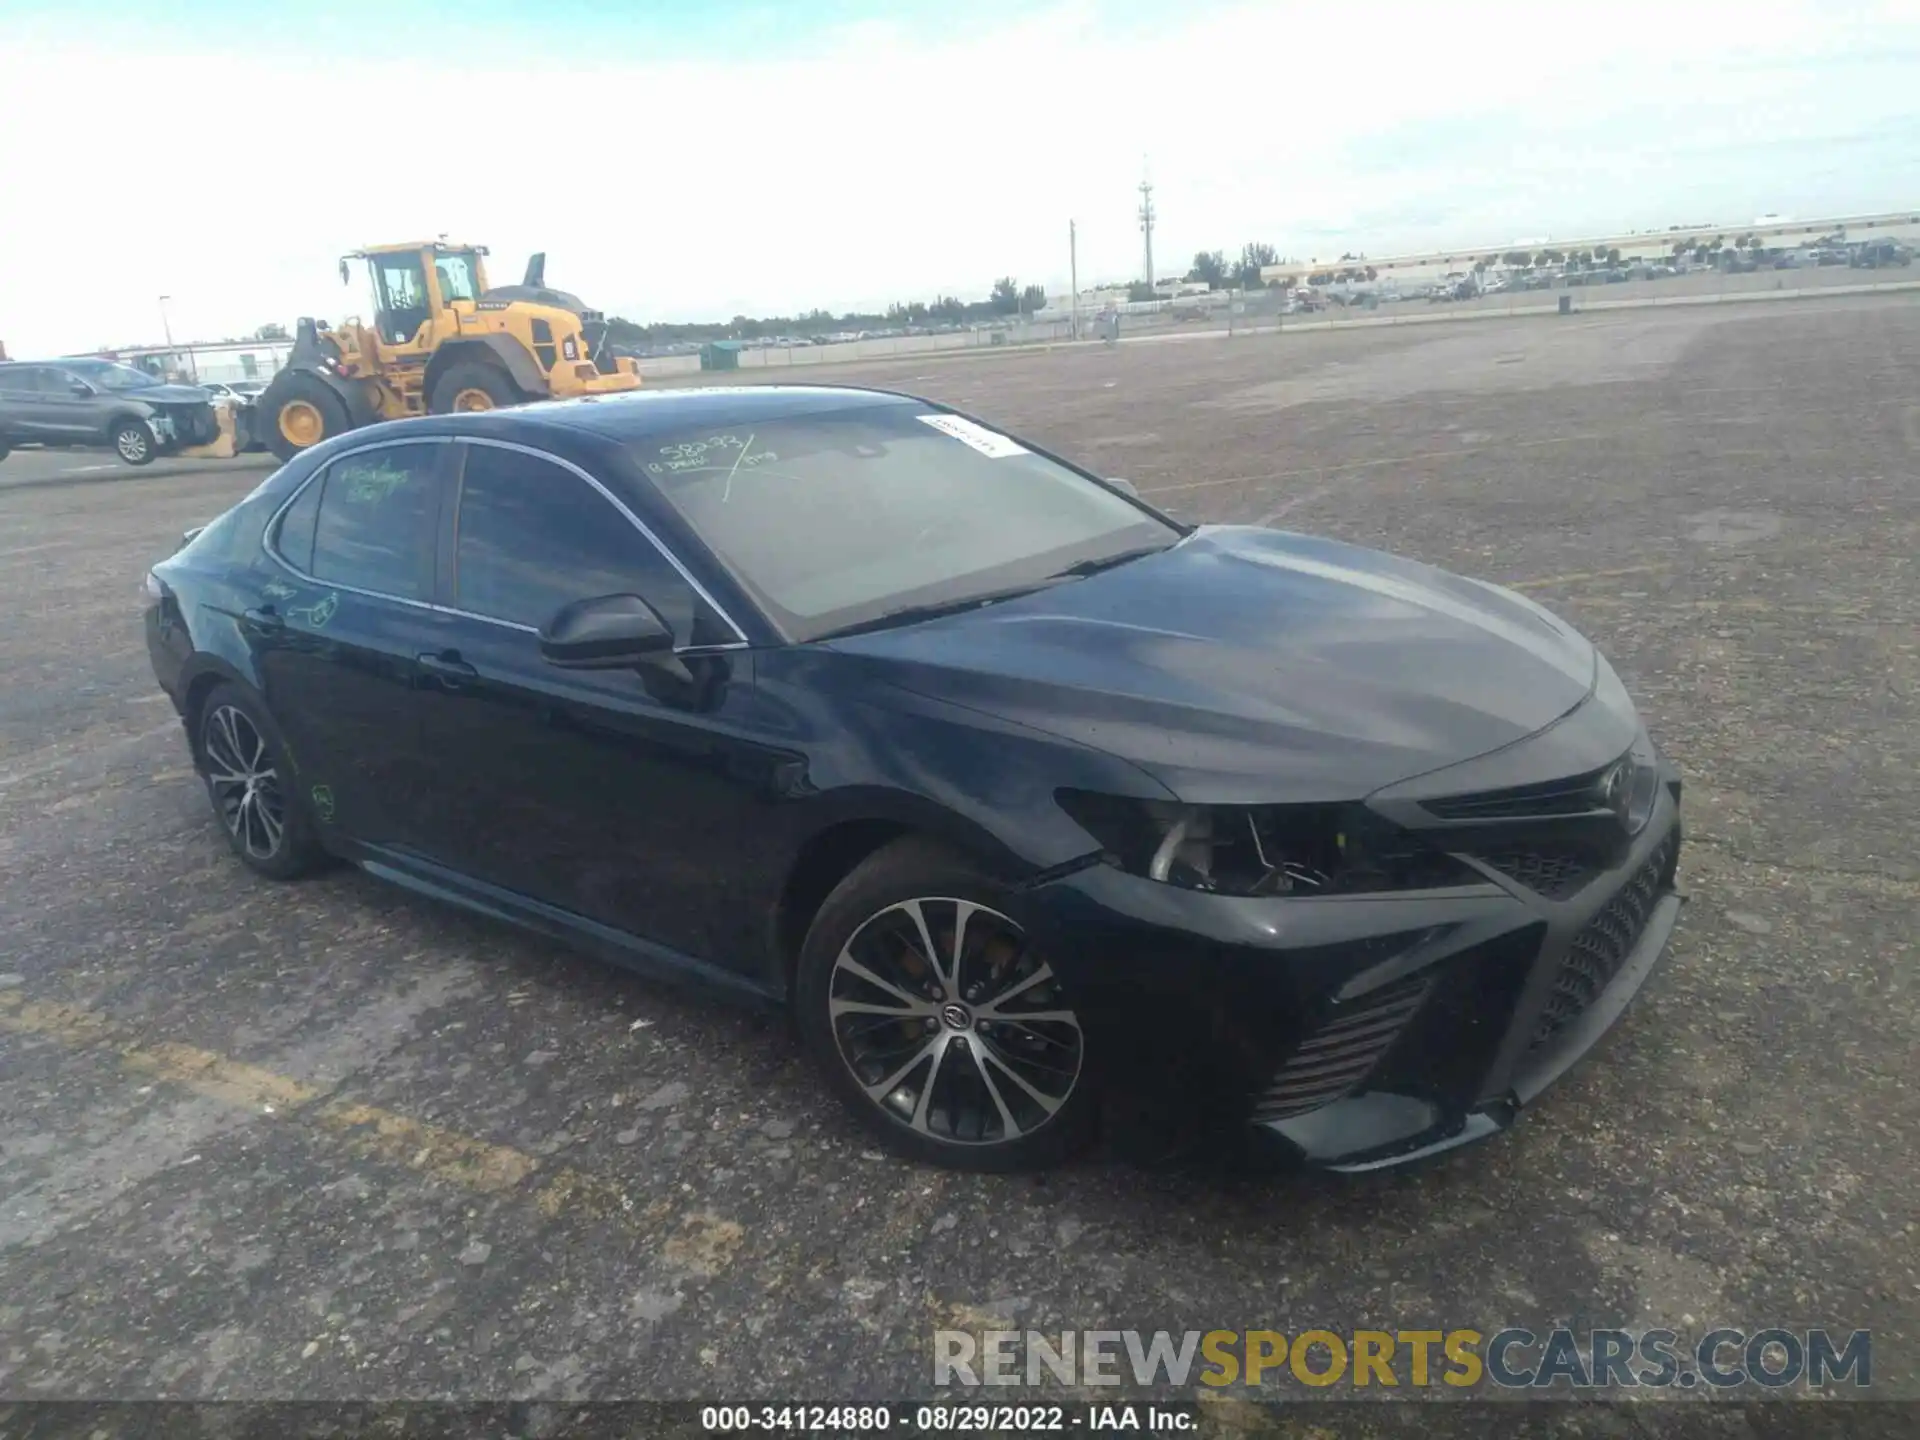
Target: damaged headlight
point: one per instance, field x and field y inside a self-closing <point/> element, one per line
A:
<point x="1260" y="850"/>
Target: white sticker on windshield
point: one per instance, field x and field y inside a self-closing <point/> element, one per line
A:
<point x="989" y="443"/>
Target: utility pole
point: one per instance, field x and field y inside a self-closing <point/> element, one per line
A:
<point x="1146" y="225"/>
<point x="1073" y="277"/>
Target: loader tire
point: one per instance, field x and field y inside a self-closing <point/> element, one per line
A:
<point x="298" y="412"/>
<point x="473" y="386"/>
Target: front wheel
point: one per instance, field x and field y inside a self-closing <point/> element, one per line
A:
<point x="134" y="441"/>
<point x="298" y="411"/>
<point x="937" y="1022"/>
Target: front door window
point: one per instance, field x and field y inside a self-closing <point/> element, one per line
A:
<point x="400" y="291"/>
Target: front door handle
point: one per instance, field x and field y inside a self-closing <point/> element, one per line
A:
<point x="447" y="666"/>
<point x="264" y="617"/>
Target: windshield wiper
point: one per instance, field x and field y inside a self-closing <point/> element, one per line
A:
<point x="1104" y="562"/>
<point x="908" y="614"/>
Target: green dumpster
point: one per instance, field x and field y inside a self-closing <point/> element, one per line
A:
<point x="720" y="355"/>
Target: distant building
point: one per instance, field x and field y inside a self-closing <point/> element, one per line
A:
<point x="227" y="360"/>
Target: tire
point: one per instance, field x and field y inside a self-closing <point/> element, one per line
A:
<point x="133" y="440"/>
<point x="1040" y="1104"/>
<point x="234" y="735"/>
<point x="473" y="385"/>
<point x="298" y="411"/>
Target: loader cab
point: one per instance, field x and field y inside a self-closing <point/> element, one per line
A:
<point x="412" y="285"/>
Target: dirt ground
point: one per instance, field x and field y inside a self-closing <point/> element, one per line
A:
<point x="332" y="1141"/>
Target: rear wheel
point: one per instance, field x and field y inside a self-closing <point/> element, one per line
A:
<point x="134" y="441"/>
<point x="253" y="790"/>
<point x="473" y="386"/>
<point x="298" y="412"/>
<point x="938" y="1023"/>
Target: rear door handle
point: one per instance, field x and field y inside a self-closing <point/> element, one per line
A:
<point x="264" y="617"/>
<point x="448" y="666"/>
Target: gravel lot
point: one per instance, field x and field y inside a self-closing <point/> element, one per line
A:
<point x="331" y="1141"/>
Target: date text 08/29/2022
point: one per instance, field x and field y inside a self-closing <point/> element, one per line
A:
<point x="947" y="1419"/>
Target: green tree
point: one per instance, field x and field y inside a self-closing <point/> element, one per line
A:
<point x="1005" y="299"/>
<point x="1613" y="255"/>
<point x="1033" y="298"/>
<point x="1518" y="259"/>
<point x="1209" y="269"/>
<point x="1254" y="257"/>
<point x="1140" y="292"/>
<point x="271" y="332"/>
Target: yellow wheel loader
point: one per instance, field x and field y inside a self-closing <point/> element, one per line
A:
<point x="440" y="341"/>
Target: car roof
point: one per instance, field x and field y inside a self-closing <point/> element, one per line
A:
<point x="614" y="421"/>
<point x="637" y="414"/>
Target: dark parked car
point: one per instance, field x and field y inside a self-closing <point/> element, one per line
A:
<point x="98" y="402"/>
<point x="1032" y="805"/>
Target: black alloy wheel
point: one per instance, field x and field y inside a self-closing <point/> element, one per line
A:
<point x="242" y="760"/>
<point x="939" y="1024"/>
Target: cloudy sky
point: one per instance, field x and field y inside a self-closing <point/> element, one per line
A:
<point x="688" y="159"/>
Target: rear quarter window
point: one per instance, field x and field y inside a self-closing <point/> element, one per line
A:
<point x="293" y="538"/>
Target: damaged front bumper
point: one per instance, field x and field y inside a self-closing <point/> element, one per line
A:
<point x="1357" y="1032"/>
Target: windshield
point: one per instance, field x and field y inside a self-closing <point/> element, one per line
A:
<point x="109" y="376"/>
<point x="837" y="520"/>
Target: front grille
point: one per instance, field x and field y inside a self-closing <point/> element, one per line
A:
<point x="1603" y="945"/>
<point x="1343" y="1051"/>
<point x="1556" y="874"/>
<point x="1573" y="795"/>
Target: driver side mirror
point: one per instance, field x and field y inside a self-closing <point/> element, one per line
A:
<point x="609" y="632"/>
<point x="1125" y="487"/>
<point x="80" y="388"/>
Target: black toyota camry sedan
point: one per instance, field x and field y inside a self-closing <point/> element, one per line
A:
<point x="1036" y="808"/>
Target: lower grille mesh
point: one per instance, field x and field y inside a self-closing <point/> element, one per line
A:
<point x="1558" y="875"/>
<point x="1603" y="945"/>
<point x="1335" y="1058"/>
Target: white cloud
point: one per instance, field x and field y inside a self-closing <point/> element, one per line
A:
<point x="893" y="162"/>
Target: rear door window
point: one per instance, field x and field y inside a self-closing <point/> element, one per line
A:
<point x="375" y="522"/>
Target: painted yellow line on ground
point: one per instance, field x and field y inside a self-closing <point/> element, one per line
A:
<point x="431" y="1150"/>
<point x="1549" y="581"/>
<point x="1714" y="852"/>
<point x="1745" y="605"/>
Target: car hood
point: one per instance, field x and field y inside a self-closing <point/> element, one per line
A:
<point x="1250" y="665"/>
<point x="170" y="395"/>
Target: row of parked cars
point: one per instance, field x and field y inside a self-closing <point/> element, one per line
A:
<point x="100" y="404"/>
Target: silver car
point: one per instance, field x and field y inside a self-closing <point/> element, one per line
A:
<point x="97" y="402"/>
